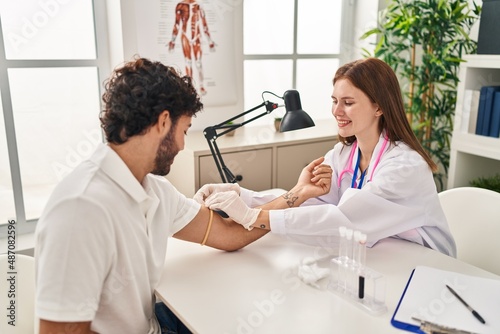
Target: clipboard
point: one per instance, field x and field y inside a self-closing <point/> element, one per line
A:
<point x="426" y="297"/>
<point x="400" y="324"/>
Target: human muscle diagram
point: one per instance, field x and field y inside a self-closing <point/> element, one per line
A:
<point x="196" y="37"/>
<point x="191" y="24"/>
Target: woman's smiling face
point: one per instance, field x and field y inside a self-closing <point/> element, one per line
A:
<point x="355" y="113"/>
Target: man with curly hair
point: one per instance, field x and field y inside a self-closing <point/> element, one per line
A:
<point x="102" y="238"/>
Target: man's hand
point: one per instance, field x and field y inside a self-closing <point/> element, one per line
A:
<point x="212" y="188"/>
<point x="316" y="178"/>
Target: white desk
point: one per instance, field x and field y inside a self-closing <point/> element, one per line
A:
<point x="256" y="290"/>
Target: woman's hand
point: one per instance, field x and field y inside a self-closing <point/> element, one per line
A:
<point x="231" y="203"/>
<point x="212" y="188"/>
<point x="316" y="178"/>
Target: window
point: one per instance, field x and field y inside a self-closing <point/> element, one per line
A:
<point x="52" y="54"/>
<point x="294" y="44"/>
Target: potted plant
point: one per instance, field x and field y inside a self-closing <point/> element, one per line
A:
<point x="491" y="183"/>
<point x="424" y="41"/>
<point x="230" y="133"/>
<point x="277" y="123"/>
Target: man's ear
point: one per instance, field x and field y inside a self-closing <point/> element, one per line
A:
<point x="164" y="122"/>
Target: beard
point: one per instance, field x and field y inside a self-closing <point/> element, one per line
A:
<point x="166" y="153"/>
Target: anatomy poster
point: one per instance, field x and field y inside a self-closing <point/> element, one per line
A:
<point x="194" y="36"/>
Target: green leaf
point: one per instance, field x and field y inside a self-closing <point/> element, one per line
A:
<point x="374" y="31"/>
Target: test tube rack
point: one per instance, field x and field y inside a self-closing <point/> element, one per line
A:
<point x="358" y="284"/>
<point x="351" y="278"/>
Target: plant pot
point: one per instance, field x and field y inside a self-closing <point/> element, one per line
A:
<point x="230" y="133"/>
<point x="277" y="122"/>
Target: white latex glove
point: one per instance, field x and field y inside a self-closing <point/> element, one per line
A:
<point x="212" y="188"/>
<point x="231" y="203"/>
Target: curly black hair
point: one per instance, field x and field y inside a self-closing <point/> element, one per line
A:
<point x="137" y="93"/>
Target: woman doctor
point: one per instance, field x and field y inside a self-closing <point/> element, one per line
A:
<point x="382" y="182"/>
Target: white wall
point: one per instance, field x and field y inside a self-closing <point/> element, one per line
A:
<point x="365" y="18"/>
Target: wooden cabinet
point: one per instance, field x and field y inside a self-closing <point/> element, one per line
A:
<point x="262" y="157"/>
<point x="292" y="159"/>
<point x="253" y="167"/>
<point x="472" y="155"/>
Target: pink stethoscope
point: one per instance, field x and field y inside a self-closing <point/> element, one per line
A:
<point x="355" y="171"/>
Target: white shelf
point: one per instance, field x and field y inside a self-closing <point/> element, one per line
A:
<point x="472" y="155"/>
<point x="483" y="146"/>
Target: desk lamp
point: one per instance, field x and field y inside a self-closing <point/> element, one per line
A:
<point x="295" y="118"/>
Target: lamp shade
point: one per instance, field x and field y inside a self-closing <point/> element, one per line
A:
<point x="295" y="118"/>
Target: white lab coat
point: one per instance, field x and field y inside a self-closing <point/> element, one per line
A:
<point x="400" y="201"/>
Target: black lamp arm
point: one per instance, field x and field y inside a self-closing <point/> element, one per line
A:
<point x="270" y="106"/>
<point x="224" y="172"/>
<point x="211" y="134"/>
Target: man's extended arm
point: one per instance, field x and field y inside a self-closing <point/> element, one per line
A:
<point x="223" y="234"/>
<point x="314" y="180"/>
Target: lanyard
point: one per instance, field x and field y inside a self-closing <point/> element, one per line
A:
<point x="355" y="173"/>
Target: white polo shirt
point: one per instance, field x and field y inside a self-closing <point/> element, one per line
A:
<point x="101" y="245"/>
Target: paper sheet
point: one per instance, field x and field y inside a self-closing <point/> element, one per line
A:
<point x="427" y="298"/>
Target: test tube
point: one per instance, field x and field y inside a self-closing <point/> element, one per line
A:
<point x="343" y="244"/>
<point x="362" y="250"/>
<point x="342" y="260"/>
<point x="361" y="258"/>
<point x="355" y="248"/>
<point x="348" y="264"/>
<point x="348" y="236"/>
